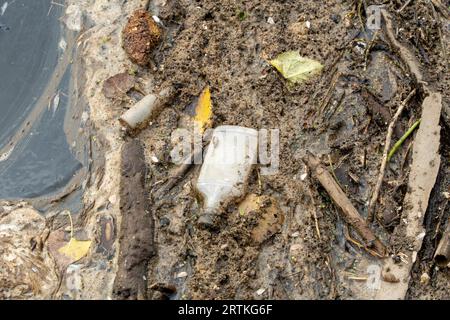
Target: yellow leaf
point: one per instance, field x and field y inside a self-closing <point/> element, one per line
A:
<point x="296" y="68"/>
<point x="203" y="110"/>
<point x="75" y="249"/>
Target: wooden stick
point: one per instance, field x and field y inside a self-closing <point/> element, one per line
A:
<point x="404" y="6"/>
<point x="348" y="211"/>
<point x="376" y="192"/>
<point x="178" y="174"/>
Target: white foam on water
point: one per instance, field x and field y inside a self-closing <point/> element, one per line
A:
<point x="3" y="8"/>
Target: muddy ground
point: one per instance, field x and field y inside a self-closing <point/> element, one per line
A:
<point x="341" y="116"/>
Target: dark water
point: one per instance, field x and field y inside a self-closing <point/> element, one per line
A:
<point x="33" y="70"/>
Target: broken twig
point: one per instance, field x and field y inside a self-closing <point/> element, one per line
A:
<point x="348" y="211"/>
<point x="376" y="192"/>
<point x="178" y="174"/>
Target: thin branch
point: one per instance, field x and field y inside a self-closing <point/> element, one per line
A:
<point x="374" y="199"/>
<point x="348" y="211"/>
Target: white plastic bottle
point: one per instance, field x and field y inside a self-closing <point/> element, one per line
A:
<point x="231" y="154"/>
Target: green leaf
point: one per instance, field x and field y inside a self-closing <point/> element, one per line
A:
<point x="296" y="68"/>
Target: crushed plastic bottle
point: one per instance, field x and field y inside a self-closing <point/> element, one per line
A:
<point x="231" y="154"/>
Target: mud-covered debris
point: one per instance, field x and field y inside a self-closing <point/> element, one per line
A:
<point x="107" y="235"/>
<point x="389" y="277"/>
<point x="164" y="288"/>
<point x="442" y="255"/>
<point x="404" y="52"/>
<point x="137" y="226"/>
<point x="117" y="86"/>
<point x="26" y="269"/>
<point x="296" y="68"/>
<point x="269" y="217"/>
<point x="383" y="82"/>
<point x="140" y="36"/>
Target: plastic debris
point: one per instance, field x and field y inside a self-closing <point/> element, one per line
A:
<point x="226" y="168"/>
<point x="145" y="110"/>
<point x="296" y="68"/>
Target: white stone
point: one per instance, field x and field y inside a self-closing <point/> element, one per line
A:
<point x="260" y="291"/>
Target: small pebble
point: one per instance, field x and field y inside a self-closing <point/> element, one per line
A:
<point x="182" y="274"/>
<point x="270" y="20"/>
<point x="164" y="222"/>
<point x="154" y="159"/>
<point x="424" y="278"/>
<point x="156" y="19"/>
<point x="260" y="291"/>
<point x="335" y="18"/>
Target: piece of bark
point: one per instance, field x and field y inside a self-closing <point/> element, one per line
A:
<point x="137" y="226"/>
<point x="442" y="255"/>
<point x="348" y="211"/>
<point x="422" y="177"/>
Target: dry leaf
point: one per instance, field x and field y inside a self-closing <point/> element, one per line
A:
<point x="66" y="253"/>
<point x="203" y="110"/>
<point x="118" y="85"/>
<point x="296" y="68"/>
<point x="75" y="249"/>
